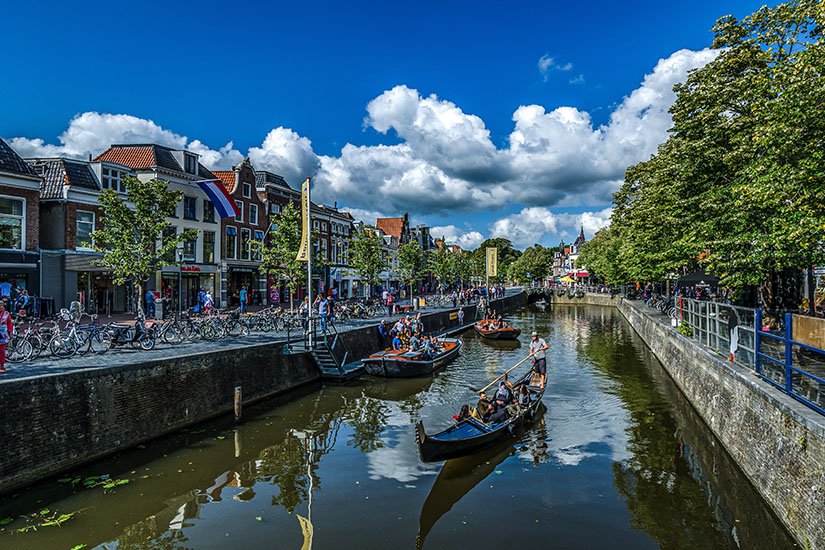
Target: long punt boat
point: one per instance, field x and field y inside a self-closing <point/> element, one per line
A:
<point x="405" y="364"/>
<point x="471" y="435"/>
<point x="486" y="330"/>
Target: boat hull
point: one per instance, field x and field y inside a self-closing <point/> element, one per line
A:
<point x="395" y="365"/>
<point x="507" y="333"/>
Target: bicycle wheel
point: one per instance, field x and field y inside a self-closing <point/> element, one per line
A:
<point x="18" y="350"/>
<point x="83" y="342"/>
<point x="207" y="331"/>
<point x="61" y="346"/>
<point x="234" y="329"/>
<point x="98" y="343"/>
<point x="37" y="342"/>
<point x="172" y="334"/>
<point x="147" y="343"/>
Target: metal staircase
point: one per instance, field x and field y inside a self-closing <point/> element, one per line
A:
<point x="325" y="355"/>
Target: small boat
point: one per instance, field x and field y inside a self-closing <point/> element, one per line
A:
<point x="405" y="364"/>
<point x="471" y="435"/>
<point x="486" y="331"/>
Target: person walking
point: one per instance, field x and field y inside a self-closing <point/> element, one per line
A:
<point x="150" y="303"/>
<point x="382" y="334"/>
<point x="208" y="302"/>
<point x="460" y="316"/>
<point x="538" y="347"/>
<point x="323" y="312"/>
<point x="6" y="330"/>
<point x="390" y="304"/>
<point x="244" y="299"/>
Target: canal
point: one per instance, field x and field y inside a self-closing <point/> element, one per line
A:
<point x="619" y="459"/>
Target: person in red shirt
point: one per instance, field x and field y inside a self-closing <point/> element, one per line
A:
<point x="6" y="330"/>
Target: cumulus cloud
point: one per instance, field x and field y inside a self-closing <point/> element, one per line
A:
<point x="366" y="216"/>
<point x="467" y="240"/>
<point x="286" y="153"/>
<point x="531" y="225"/>
<point x="547" y="64"/>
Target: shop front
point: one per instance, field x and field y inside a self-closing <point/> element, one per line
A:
<point x="239" y="276"/>
<point x="181" y="285"/>
<point x="19" y="270"/>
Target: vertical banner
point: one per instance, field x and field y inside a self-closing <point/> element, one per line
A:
<point x="492" y="261"/>
<point x="303" y="251"/>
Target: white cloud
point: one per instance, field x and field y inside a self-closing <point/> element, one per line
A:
<point x="548" y="64"/>
<point x="366" y="216"/>
<point x="531" y="225"/>
<point x="286" y="153"/>
<point x="467" y="240"/>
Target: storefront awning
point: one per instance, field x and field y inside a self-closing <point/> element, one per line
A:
<point x="582" y="274"/>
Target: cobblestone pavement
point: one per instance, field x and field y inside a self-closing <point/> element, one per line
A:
<point x="126" y="355"/>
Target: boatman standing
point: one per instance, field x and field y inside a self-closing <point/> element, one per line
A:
<point x="537" y="350"/>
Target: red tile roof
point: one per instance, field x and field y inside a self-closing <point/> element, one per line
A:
<point x="227" y="177"/>
<point x="390" y="226"/>
<point x="134" y="157"/>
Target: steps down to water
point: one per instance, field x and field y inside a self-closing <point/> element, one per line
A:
<point x="331" y="369"/>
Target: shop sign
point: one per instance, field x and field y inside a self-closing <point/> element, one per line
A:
<point x="189" y="268"/>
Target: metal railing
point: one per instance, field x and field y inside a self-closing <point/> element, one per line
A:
<point x="712" y="324"/>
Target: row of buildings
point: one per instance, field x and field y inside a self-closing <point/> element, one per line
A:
<point x="49" y="208"/>
<point x="564" y="263"/>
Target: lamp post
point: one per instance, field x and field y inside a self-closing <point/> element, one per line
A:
<point x="179" y="258"/>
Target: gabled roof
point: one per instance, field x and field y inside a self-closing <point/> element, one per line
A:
<point x="262" y="178"/>
<point x="390" y="226"/>
<point x="11" y="162"/>
<point x="58" y="173"/>
<point x="148" y="156"/>
<point x="227" y="177"/>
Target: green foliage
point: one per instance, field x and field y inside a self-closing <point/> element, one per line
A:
<point x="685" y="329"/>
<point x="601" y="256"/>
<point x="462" y="266"/>
<point x="739" y="183"/>
<point x="506" y="256"/>
<point x="441" y="263"/>
<point x="366" y="256"/>
<point x="134" y="240"/>
<point x="536" y="260"/>
<point x="411" y="262"/>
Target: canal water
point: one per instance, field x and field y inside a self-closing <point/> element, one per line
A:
<point x="618" y="459"/>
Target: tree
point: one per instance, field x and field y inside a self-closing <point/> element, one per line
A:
<point x="367" y="257"/>
<point x="441" y="264"/>
<point x="601" y="257"/>
<point x="534" y="264"/>
<point x="410" y="264"/>
<point x="462" y="266"/>
<point x="506" y="256"/>
<point x="135" y="241"/>
<point x="279" y="252"/>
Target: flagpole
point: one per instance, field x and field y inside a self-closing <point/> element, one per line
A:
<point x="309" y="263"/>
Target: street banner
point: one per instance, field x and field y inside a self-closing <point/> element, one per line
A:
<point x="303" y="251"/>
<point x="492" y="262"/>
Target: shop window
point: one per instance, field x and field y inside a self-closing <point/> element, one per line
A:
<point x="231" y="242"/>
<point x="244" y="249"/>
<point x="259" y="236"/>
<point x="239" y="217"/>
<point x="85" y="224"/>
<point x="12" y="223"/>
<point x="189" y="248"/>
<point x="190" y="208"/>
<point x="208" y="211"/>
<point x="208" y="247"/>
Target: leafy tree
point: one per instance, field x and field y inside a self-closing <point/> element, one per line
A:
<point x="601" y="257"/>
<point x="462" y="266"/>
<point x="506" y="256"/>
<point x="441" y="263"/>
<point x="366" y="257"/>
<point x="536" y="260"/>
<point x="279" y="251"/>
<point x="411" y="264"/>
<point x="135" y="240"/>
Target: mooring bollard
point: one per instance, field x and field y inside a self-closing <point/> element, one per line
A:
<point x="237" y="403"/>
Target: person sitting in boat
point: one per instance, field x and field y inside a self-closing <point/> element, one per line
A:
<point x="396" y="342"/>
<point x="500" y="322"/>
<point x="415" y="342"/>
<point x="504" y="395"/>
<point x="484" y="408"/>
<point x="464" y="414"/>
<point x="523" y="395"/>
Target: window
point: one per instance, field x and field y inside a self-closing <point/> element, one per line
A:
<point x="247" y="190"/>
<point x="253" y="214"/>
<point x="208" y="211"/>
<point x="189" y="250"/>
<point x="12" y="223"/>
<point x="111" y="179"/>
<point x="85" y="225"/>
<point x="208" y="247"/>
<point x="324" y="227"/>
<point x="231" y="241"/>
<point x="239" y="217"/>
<point x="191" y="164"/>
<point x="315" y="224"/>
<point x="259" y="236"/>
<point x="275" y="208"/>
<point x="174" y="213"/>
<point x="324" y="255"/>
<point x="190" y="208"/>
<point x="244" y="249"/>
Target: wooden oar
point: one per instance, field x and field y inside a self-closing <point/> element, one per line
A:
<point x="497" y="379"/>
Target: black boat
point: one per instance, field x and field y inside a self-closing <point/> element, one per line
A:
<point x="404" y="364"/>
<point x="471" y="435"/>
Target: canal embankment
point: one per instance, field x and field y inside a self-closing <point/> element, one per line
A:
<point x="777" y="442"/>
<point x="52" y="422"/>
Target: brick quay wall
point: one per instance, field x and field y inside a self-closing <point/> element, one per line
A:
<point x="50" y="423"/>
<point x="777" y="442"/>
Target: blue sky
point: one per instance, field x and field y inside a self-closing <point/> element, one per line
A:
<point x="481" y="118"/>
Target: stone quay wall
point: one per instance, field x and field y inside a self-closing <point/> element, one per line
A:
<point x="777" y="442"/>
<point x="54" y="422"/>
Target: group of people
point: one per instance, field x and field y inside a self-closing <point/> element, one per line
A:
<point x="205" y="301"/>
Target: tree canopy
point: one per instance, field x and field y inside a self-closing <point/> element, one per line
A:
<point x="366" y="257"/>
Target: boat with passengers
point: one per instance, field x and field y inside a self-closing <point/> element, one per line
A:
<point x="472" y="434"/>
<point x="496" y="330"/>
<point x="404" y="363"/>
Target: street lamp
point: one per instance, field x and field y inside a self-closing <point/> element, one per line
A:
<point x="179" y="259"/>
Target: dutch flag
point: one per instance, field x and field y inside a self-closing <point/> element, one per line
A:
<point x="219" y="196"/>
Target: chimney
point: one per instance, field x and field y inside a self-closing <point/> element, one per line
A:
<point x="336" y="205"/>
<point x="90" y="157"/>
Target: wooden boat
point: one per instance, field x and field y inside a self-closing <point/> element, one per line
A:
<point x="506" y="333"/>
<point x="405" y="364"/>
<point x="471" y="435"/>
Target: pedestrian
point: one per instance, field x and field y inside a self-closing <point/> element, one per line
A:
<point x="537" y="350"/>
<point x="244" y="299"/>
<point x="382" y="334"/>
<point x="460" y="316"/>
<point x="390" y="304"/>
<point x="6" y="330"/>
<point x="208" y="302"/>
<point x="150" y="303"/>
<point x="323" y="312"/>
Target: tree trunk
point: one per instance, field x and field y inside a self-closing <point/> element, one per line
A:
<point x="140" y="313"/>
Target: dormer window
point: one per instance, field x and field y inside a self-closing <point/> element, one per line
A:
<point x="191" y="164"/>
<point x="111" y="179"/>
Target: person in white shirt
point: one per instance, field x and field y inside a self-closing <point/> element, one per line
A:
<point x="537" y="349"/>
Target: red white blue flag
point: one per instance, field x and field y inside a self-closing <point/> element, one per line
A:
<point x="219" y="196"/>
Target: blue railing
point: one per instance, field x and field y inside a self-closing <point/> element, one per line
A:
<point x="780" y="369"/>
